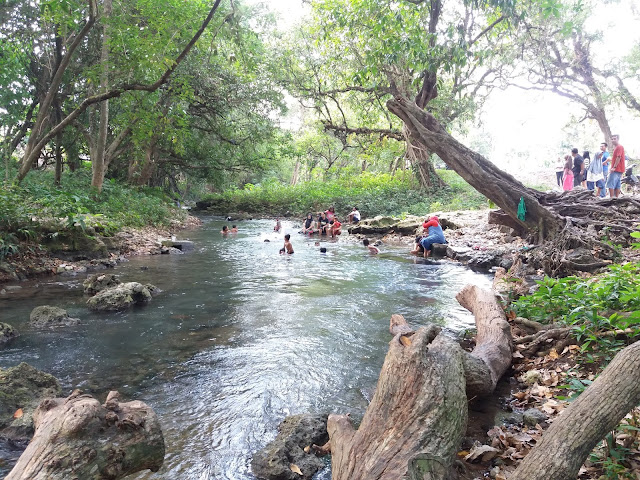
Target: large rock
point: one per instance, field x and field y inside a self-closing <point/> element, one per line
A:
<point x="121" y="297"/>
<point x="100" y="281"/>
<point x="22" y="388"/>
<point x="275" y="461"/>
<point x="7" y="333"/>
<point x="409" y="226"/>
<point x="375" y="225"/>
<point x="76" y="245"/>
<point x="48" y="316"/>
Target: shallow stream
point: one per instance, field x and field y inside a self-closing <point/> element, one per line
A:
<point x="239" y="338"/>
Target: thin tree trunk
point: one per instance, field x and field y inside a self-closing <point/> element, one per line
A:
<point x="33" y="148"/>
<point x="420" y="158"/>
<point x="573" y="435"/>
<point x="58" y="174"/>
<point x="38" y="139"/>
<point x="98" y="162"/>
<point x="296" y="173"/>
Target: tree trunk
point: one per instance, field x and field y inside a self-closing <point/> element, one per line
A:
<point x="573" y="435"/>
<point x="296" y="173"/>
<point x="504" y="190"/>
<point x="78" y="438"/>
<point x="418" y="414"/>
<point x="33" y="149"/>
<point x="420" y="158"/>
<point x="141" y="174"/>
<point x="98" y="163"/>
<point x="58" y="174"/>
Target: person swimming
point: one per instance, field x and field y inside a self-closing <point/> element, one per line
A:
<point x="372" y="248"/>
<point x="288" y="248"/>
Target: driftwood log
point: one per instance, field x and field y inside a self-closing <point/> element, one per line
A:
<point x="418" y="414"/>
<point x="573" y="435"/>
<point x="77" y="438"/>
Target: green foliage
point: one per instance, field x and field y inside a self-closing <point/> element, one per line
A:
<point x="618" y="446"/>
<point x="8" y="245"/>
<point x="593" y="307"/>
<point x="373" y="194"/>
<point x="23" y="208"/>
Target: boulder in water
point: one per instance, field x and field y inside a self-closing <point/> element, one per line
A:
<point x="48" y="316"/>
<point x="22" y="388"/>
<point x="277" y="460"/>
<point x="100" y="281"/>
<point x="7" y="333"/>
<point x="120" y="297"/>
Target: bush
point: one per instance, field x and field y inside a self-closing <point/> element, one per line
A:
<point x="373" y="194"/>
<point x="37" y="199"/>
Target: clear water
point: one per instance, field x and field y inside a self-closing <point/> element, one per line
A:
<point x="240" y="337"/>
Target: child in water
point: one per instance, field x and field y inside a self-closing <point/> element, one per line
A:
<point x="288" y="248"/>
<point x="278" y="225"/>
<point x="372" y="248"/>
<point x="224" y="230"/>
<point x="234" y="229"/>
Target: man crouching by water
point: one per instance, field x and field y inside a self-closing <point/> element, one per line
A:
<point x="288" y="248"/>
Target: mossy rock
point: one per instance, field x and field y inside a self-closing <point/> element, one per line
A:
<point x="22" y="388"/>
<point x="7" y="333"/>
<point x="48" y="316"/>
<point x="380" y="221"/>
<point x="77" y="244"/>
<point x="296" y="432"/>
<point x="100" y="281"/>
<point x="121" y="297"/>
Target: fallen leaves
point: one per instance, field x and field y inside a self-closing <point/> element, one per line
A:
<point x="483" y="453"/>
<point x="295" y="469"/>
<point x="18" y="413"/>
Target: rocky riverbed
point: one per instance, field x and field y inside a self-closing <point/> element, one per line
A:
<point x="34" y="261"/>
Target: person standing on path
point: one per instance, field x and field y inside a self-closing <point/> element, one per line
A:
<point x="595" y="178"/>
<point x="578" y="167"/>
<point x="617" y="167"/>
<point x="586" y="157"/>
<point x="567" y="178"/>
<point x="603" y="157"/>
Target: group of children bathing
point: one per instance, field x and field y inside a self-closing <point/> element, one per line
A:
<point x="432" y="233"/>
<point x="328" y="224"/>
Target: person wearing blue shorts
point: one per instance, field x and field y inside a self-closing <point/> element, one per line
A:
<point x="617" y="167"/>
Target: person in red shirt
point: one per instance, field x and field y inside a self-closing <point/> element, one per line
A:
<point x="335" y="227"/>
<point x="617" y="167"/>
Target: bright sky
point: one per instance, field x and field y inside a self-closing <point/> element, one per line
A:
<point x="525" y="130"/>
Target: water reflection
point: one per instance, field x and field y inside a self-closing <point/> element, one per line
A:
<point x="240" y="337"/>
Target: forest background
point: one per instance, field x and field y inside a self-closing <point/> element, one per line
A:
<point x="178" y="100"/>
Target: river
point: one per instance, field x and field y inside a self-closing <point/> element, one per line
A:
<point x="240" y="336"/>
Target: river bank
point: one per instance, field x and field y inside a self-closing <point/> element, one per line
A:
<point x="35" y="261"/>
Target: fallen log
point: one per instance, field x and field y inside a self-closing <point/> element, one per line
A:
<point x="77" y="438"/>
<point x="418" y="414"/>
<point x="596" y="412"/>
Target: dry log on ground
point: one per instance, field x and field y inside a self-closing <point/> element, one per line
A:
<point x="573" y="435"/>
<point x="418" y="414"/>
<point x="77" y="438"/>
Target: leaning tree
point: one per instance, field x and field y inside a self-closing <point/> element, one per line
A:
<point x="340" y="66"/>
<point x="560" y="222"/>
